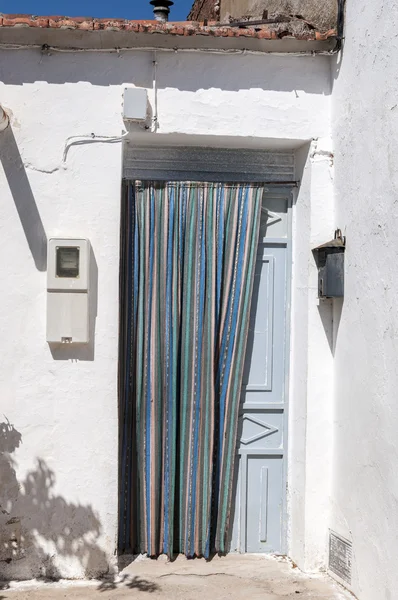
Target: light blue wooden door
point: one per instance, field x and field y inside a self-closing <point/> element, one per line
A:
<point x="259" y="509"/>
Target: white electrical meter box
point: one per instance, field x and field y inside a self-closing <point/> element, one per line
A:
<point x="68" y="289"/>
<point x="135" y="104"/>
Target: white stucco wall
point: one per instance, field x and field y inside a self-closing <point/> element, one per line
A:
<point x="311" y="372"/>
<point x="65" y="406"/>
<point x="365" y="130"/>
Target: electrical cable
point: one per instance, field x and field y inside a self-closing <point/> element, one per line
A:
<point x="340" y="24"/>
<point x="45" y="48"/>
<point x="91" y="138"/>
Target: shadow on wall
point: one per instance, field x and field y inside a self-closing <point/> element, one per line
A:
<point x="23" y="197"/>
<point x="36" y="237"/>
<point x="33" y="517"/>
<point x="37" y="527"/>
<point x="337" y="60"/>
<point x="330" y="311"/>
<point x="183" y="71"/>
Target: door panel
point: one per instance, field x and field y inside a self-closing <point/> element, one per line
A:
<point x="264" y="515"/>
<point x="260" y="430"/>
<point x="258" y="372"/>
<point x="260" y="487"/>
<point x="264" y="373"/>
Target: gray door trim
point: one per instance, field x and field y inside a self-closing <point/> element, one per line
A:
<point x="246" y="166"/>
<point x="287" y="193"/>
<point x="289" y="272"/>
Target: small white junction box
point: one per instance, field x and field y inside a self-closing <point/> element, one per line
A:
<point x="135" y="104"/>
<point x="68" y="288"/>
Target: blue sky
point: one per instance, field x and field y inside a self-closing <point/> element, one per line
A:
<point x="132" y="9"/>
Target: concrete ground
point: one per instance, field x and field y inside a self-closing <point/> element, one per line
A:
<point x="234" y="577"/>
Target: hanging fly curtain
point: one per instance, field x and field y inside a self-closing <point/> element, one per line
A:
<point x="187" y="265"/>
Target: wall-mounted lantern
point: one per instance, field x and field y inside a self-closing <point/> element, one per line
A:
<point x="330" y="261"/>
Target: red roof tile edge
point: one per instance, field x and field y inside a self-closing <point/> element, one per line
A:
<point x="183" y="28"/>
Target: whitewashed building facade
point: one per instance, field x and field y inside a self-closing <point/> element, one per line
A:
<point x="64" y="154"/>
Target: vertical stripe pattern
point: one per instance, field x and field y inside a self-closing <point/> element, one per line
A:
<point x="187" y="266"/>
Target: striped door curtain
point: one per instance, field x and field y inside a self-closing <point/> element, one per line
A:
<point x="187" y="266"/>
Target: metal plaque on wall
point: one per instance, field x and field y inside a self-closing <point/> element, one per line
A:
<point x="340" y="556"/>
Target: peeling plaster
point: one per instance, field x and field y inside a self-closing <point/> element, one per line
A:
<point x="48" y="171"/>
<point x="309" y="13"/>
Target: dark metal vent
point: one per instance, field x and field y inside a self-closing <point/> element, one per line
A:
<point x="179" y="163"/>
<point x="340" y="556"/>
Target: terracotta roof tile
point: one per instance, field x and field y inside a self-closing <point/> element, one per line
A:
<point x="183" y="28"/>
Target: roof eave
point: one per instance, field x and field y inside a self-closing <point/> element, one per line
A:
<point x="101" y="34"/>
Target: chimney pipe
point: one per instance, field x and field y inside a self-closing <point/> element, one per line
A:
<point x="161" y="9"/>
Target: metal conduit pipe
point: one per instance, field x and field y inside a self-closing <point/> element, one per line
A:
<point x="3" y="119"/>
